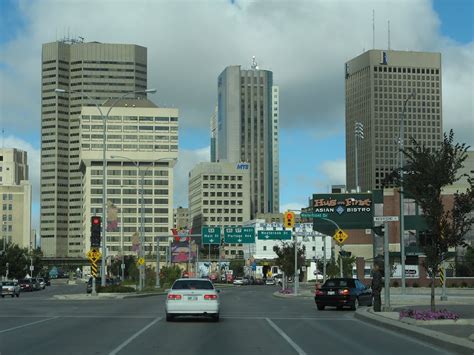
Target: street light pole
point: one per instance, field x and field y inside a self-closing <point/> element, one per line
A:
<point x="402" y="202"/>
<point x="104" y="165"/>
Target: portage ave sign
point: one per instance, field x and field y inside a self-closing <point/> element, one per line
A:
<point x="239" y="235"/>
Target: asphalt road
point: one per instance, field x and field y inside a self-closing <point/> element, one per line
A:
<point x="252" y="322"/>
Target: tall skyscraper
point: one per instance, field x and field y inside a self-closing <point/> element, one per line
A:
<point x="247" y="131"/>
<point x="378" y="85"/>
<point x="101" y="71"/>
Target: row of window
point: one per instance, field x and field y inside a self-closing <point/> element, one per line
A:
<point x="220" y="177"/>
<point x="86" y="118"/>
<point x="132" y="138"/>
<point x="388" y="69"/>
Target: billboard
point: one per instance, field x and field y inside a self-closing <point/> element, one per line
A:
<point x="348" y="211"/>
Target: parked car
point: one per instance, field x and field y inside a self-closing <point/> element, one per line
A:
<point x="278" y="279"/>
<point x="259" y="282"/>
<point x="192" y="297"/>
<point x="10" y="288"/>
<point x="26" y="285"/>
<point x="342" y="292"/>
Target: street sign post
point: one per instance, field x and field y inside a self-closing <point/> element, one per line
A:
<point x="313" y="215"/>
<point x="274" y="235"/>
<point x="386" y="219"/>
<point x="211" y="235"/>
<point x="239" y="235"/>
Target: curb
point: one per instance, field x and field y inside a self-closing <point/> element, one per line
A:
<point x="445" y="341"/>
<point x="289" y="295"/>
<point x="104" y="296"/>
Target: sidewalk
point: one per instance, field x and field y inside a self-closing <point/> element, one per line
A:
<point x="452" y="335"/>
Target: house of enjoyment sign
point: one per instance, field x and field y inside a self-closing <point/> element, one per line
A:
<point x="349" y="211"/>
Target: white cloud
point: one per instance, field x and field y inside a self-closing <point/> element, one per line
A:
<point x="291" y="206"/>
<point x="331" y="173"/>
<point x="187" y="160"/>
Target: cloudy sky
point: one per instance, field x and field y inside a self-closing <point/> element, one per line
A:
<point x="304" y="43"/>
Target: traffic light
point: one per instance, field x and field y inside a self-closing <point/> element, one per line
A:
<point x="96" y="229"/>
<point x="288" y="219"/>
<point x="379" y="230"/>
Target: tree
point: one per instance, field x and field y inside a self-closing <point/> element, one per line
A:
<point x="18" y="262"/>
<point x="426" y="172"/>
<point x="237" y="266"/>
<point x="286" y="257"/>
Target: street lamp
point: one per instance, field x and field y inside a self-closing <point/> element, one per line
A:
<point x="141" y="284"/>
<point x="358" y="134"/>
<point x="104" y="166"/>
<point x="402" y="212"/>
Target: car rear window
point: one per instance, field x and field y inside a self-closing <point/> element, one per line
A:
<point x="339" y="283"/>
<point x="193" y="285"/>
<point x="8" y="283"/>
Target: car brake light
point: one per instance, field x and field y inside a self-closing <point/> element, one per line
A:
<point x="344" y="292"/>
<point x="174" y="297"/>
<point x="319" y="293"/>
<point x="210" y="297"/>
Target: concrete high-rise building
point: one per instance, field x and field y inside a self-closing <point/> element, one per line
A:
<point x="15" y="192"/>
<point x="247" y="131"/>
<point x="181" y="218"/>
<point x="142" y="142"/>
<point x="378" y="84"/>
<point x="101" y="71"/>
<point x="219" y="195"/>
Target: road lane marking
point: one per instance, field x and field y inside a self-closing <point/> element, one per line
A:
<point x="286" y="337"/>
<point x="129" y="340"/>
<point x="27" y="325"/>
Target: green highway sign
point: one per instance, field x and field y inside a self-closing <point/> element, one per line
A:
<point x="274" y="235"/>
<point x="211" y="235"/>
<point x="239" y="235"/>
<point x="313" y="215"/>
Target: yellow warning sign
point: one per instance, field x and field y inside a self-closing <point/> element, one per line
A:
<point x="340" y="236"/>
<point x="93" y="255"/>
<point x="141" y="261"/>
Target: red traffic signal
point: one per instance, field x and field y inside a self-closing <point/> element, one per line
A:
<point x="96" y="220"/>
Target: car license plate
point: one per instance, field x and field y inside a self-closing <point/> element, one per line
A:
<point x="331" y="293"/>
<point x="192" y="298"/>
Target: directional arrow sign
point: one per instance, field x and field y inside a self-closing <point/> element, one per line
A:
<point x="274" y="235"/>
<point x="211" y="235"/>
<point x="239" y="235"/>
<point x="340" y="236"/>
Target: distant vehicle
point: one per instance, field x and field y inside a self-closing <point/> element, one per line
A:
<point x="318" y="275"/>
<point x="259" y="282"/>
<point x="42" y="283"/>
<point x="343" y="292"/>
<point x="53" y="273"/>
<point x="10" y="288"/>
<point x="192" y="297"/>
<point x="278" y="279"/>
<point x="35" y="284"/>
<point x="239" y="281"/>
<point x="270" y="282"/>
<point x="26" y="285"/>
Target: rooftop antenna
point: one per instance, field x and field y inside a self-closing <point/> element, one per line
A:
<point x="373" y="29"/>
<point x="388" y="34"/>
<point x="254" y="63"/>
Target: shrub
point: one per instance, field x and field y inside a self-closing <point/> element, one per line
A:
<point x="395" y="284"/>
<point x="464" y="284"/>
<point x="415" y="284"/>
<point x="286" y="291"/>
<point x="115" y="289"/>
<point x="454" y="284"/>
<point x="427" y="314"/>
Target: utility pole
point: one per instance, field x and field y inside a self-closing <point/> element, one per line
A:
<point x="386" y="255"/>
<point x="324" y="258"/>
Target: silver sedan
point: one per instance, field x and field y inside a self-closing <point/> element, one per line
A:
<point x="192" y="297"/>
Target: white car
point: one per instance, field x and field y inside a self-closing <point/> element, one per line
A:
<point x="239" y="281"/>
<point x="192" y="297"/>
<point x="270" y="282"/>
<point x="10" y="288"/>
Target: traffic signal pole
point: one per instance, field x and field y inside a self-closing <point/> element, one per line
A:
<point x="386" y="269"/>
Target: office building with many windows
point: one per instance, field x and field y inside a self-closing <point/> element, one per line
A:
<point x="142" y="149"/>
<point x="15" y="192"/>
<point x="91" y="73"/>
<point x="219" y="195"/>
<point x="378" y="85"/>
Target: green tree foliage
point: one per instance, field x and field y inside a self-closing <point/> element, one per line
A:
<point x="19" y="261"/>
<point x="333" y="266"/>
<point x="131" y="270"/>
<point x="237" y="266"/>
<point x="286" y="257"/>
<point x="426" y="172"/>
<point x="168" y="275"/>
<point x="465" y="266"/>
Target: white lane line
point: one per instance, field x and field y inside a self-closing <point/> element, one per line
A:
<point x="129" y="340"/>
<point x="286" y="337"/>
<point x="27" y="325"/>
